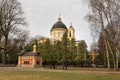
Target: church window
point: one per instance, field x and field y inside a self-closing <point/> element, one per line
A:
<point x="54" y="34"/>
<point x="70" y="34"/>
<point x="58" y="34"/>
<point x="38" y="62"/>
<point x="26" y="62"/>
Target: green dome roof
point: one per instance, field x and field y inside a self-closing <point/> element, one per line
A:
<point x="59" y="24"/>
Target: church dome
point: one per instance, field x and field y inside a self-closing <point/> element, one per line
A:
<point x="59" y="24"/>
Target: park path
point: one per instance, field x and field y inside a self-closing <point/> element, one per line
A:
<point x="9" y="69"/>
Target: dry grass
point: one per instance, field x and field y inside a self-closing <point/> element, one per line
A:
<point x="57" y="75"/>
<point x="17" y="73"/>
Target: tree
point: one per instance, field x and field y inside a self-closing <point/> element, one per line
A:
<point x="65" y="51"/>
<point x="16" y="43"/>
<point x="11" y="16"/>
<point x="82" y="52"/>
<point x="0" y="38"/>
<point x="45" y="49"/>
<point x="102" y="50"/>
<point x="103" y="13"/>
<point x="105" y="45"/>
<point x="72" y="51"/>
<point x="55" y="54"/>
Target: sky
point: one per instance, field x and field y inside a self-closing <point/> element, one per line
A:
<point x="42" y="14"/>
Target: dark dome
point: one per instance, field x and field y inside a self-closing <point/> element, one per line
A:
<point x="59" y="24"/>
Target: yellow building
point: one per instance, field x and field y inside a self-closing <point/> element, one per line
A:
<point x="59" y="28"/>
<point x="57" y="31"/>
<point x="34" y="59"/>
<point x="30" y="59"/>
<point x="42" y="40"/>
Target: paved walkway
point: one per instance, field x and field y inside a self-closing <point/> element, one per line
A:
<point x="6" y="69"/>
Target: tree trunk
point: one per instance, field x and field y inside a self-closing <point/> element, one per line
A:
<point x="108" y="60"/>
<point x="113" y="56"/>
<point x="117" y="60"/>
<point x="5" y="51"/>
<point x="53" y="64"/>
<point x="66" y="65"/>
<point x="63" y="66"/>
<point x="3" y="58"/>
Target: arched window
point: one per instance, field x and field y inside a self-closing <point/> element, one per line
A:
<point x="58" y="34"/>
<point x="54" y="34"/>
<point x="70" y="34"/>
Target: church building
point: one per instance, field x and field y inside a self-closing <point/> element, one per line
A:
<point x="34" y="59"/>
<point x="57" y="31"/>
<point x="30" y="59"/>
<point x="59" y="28"/>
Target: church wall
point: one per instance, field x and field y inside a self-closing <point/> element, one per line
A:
<point x="57" y="34"/>
<point x="30" y="61"/>
<point x="42" y="40"/>
<point x="38" y="61"/>
<point x="25" y="61"/>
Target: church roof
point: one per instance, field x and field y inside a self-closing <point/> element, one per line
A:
<point x="59" y="24"/>
<point x="24" y="53"/>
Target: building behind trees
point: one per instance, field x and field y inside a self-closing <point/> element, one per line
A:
<point x="62" y="48"/>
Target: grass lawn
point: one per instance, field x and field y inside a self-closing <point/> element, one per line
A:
<point x="51" y="75"/>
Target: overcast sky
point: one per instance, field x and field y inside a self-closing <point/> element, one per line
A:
<point x="42" y="14"/>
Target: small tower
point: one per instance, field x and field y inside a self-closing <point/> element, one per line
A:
<point x="34" y="48"/>
<point x="71" y="32"/>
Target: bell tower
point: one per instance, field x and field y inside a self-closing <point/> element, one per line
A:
<point x="71" y="32"/>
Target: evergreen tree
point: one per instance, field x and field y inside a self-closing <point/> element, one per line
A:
<point x="58" y="50"/>
<point x="65" y="51"/>
<point x="45" y="50"/>
<point x="54" y="54"/>
<point x="72" y="51"/>
<point x="82" y="53"/>
<point x="51" y="52"/>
